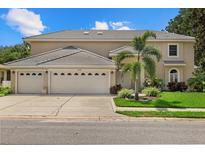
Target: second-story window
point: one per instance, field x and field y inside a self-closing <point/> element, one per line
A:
<point x="173" y="50"/>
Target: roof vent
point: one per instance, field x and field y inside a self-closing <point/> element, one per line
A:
<point x="86" y="33"/>
<point x="99" y="33"/>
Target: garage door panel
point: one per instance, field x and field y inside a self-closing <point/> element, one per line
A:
<point x="79" y="82"/>
<point x="30" y="82"/>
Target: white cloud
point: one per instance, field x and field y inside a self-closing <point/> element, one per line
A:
<point x="120" y="25"/>
<point x="26" y="22"/>
<point x="124" y="28"/>
<point x="101" y="25"/>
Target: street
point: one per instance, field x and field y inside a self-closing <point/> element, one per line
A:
<point x="102" y="132"/>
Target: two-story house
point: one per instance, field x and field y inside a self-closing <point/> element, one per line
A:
<point x="80" y="61"/>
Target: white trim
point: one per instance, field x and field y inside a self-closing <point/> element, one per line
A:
<point x="104" y="40"/>
<point x="177" y="50"/>
<point x="174" y="64"/>
<point x="63" y="66"/>
<point x="109" y="81"/>
<point x="49" y="81"/>
<point x="178" y="73"/>
<point x="16" y="81"/>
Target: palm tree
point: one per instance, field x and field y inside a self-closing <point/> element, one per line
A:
<point x="144" y="58"/>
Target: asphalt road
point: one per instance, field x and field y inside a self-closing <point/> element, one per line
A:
<point x="102" y="132"/>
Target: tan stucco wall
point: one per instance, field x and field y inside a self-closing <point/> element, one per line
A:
<point x="101" y="48"/>
<point x="186" y="53"/>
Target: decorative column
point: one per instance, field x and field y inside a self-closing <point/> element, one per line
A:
<point x="5" y="75"/>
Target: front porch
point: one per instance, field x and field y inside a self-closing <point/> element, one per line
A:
<point x="4" y="76"/>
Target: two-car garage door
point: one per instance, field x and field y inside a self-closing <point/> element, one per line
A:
<point x="72" y="81"/>
<point x="79" y="82"/>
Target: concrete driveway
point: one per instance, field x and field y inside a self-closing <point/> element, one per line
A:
<point x="57" y="105"/>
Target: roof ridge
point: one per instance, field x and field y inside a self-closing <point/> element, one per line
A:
<point x="44" y="34"/>
<point x="111" y="51"/>
<point x="97" y="55"/>
<point x="57" y="58"/>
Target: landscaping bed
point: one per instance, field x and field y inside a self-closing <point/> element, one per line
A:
<point x="169" y="114"/>
<point x="167" y="100"/>
<point x="4" y="91"/>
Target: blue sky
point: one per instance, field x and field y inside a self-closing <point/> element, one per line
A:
<point x="18" y="23"/>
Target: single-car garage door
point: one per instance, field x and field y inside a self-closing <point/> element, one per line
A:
<point x="30" y="82"/>
<point x="80" y="82"/>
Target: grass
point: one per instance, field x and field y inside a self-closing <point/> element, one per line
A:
<point x="170" y="114"/>
<point x="168" y="100"/>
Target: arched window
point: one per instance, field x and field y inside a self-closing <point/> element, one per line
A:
<point x="76" y="74"/>
<point x="22" y="74"/>
<point x="69" y="74"/>
<point x="96" y="74"/>
<point x="89" y="73"/>
<point x="34" y="74"/>
<point x="39" y="74"/>
<point x="27" y="74"/>
<point x="55" y="73"/>
<point x="62" y="74"/>
<point x="103" y="74"/>
<point x="82" y="73"/>
<point x="173" y="75"/>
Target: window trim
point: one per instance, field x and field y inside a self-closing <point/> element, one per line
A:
<point x="178" y="73"/>
<point x="177" y="49"/>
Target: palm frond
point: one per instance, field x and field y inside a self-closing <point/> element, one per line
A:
<point x="138" y="44"/>
<point x="126" y="68"/>
<point x="120" y="57"/>
<point x="148" y="34"/>
<point x="149" y="65"/>
<point x="151" y="51"/>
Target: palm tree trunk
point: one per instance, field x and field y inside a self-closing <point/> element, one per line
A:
<point x="136" y="91"/>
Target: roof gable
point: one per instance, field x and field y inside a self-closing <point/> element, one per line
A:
<point x="63" y="56"/>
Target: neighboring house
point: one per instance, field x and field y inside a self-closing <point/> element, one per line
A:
<point x="79" y="61"/>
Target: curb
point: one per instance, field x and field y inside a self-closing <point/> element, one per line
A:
<point x="99" y="119"/>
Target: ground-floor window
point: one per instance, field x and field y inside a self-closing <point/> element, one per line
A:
<point x="173" y="75"/>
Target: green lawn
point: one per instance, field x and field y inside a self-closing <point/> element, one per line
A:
<point x="171" y="114"/>
<point x="168" y="100"/>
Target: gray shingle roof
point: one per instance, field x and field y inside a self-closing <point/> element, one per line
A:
<point x="122" y="49"/>
<point x="107" y="35"/>
<point x="63" y="56"/>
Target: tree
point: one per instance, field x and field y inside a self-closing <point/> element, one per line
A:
<point x="144" y="56"/>
<point x="14" y="52"/>
<point x="197" y="82"/>
<point x="191" y="22"/>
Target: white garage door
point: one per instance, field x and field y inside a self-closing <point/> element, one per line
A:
<point x="80" y="82"/>
<point x="30" y="82"/>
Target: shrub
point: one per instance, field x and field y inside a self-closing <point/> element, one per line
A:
<point x="4" y="91"/>
<point x="177" y="86"/>
<point x="125" y="93"/>
<point x="115" y="89"/>
<point x="197" y="82"/>
<point x="151" y="91"/>
<point x="155" y="82"/>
